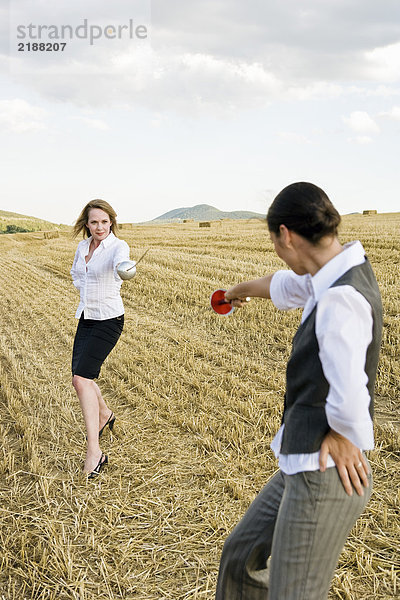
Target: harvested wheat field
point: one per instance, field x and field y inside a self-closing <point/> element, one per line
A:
<point x="198" y="399"/>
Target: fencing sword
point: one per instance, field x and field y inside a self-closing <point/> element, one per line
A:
<point x="127" y="268"/>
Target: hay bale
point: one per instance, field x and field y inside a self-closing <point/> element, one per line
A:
<point x="188" y="220"/>
<point x="125" y="225"/>
<point x="48" y="235"/>
<point x="370" y="212"/>
<point x="204" y="224"/>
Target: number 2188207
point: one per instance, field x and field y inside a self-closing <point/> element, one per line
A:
<point x="41" y="47"/>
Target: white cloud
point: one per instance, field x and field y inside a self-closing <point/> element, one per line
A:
<point x="219" y="55"/>
<point x="393" y="113"/>
<point x="186" y="82"/>
<point x="19" y="116"/>
<point x="228" y="83"/>
<point x="385" y="62"/>
<point x="220" y="25"/>
<point x="360" y="122"/>
<point x="383" y="91"/>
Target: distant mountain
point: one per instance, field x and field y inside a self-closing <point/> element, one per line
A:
<point x="204" y="212"/>
<point x="11" y="222"/>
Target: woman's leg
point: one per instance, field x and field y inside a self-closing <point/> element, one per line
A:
<point x="104" y="411"/>
<point x="94" y="340"/>
<point x="314" y="520"/>
<point x="243" y="572"/>
<point x="86" y="391"/>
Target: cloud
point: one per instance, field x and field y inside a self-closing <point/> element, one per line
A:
<point x="393" y="113"/>
<point x="187" y="82"/>
<point x="383" y="91"/>
<point x="385" y="62"/>
<point x="19" y="116"/>
<point x="219" y="26"/>
<point x="360" y="122"/>
<point x="301" y="41"/>
<point x="217" y="56"/>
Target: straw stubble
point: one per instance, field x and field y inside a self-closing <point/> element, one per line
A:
<point x="197" y="398"/>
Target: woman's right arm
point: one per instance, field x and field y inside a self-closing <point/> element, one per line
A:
<point x="257" y="288"/>
<point x="286" y="290"/>
<point x="74" y="271"/>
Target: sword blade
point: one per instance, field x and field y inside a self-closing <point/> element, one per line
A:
<point x="137" y="262"/>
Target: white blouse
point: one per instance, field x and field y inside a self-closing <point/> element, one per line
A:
<point x="98" y="281"/>
<point x="343" y="327"/>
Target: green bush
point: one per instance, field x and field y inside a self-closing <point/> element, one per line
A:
<point x="15" y="229"/>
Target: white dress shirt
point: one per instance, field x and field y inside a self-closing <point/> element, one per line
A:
<point x="343" y="327"/>
<point x="98" y="281"/>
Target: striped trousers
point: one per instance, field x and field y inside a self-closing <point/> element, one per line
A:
<point x="301" y="522"/>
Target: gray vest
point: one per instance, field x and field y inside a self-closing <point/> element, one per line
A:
<point x="306" y="386"/>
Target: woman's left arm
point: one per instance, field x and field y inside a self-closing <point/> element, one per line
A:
<point x="344" y="331"/>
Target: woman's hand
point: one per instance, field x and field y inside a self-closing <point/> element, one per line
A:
<point x="350" y="463"/>
<point x="238" y="302"/>
<point x="126" y="269"/>
<point x="240" y="294"/>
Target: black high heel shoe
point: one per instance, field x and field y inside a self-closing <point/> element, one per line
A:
<point x="96" y="471"/>
<point x="110" y="423"/>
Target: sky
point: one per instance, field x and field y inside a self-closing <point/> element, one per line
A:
<point x="162" y="104"/>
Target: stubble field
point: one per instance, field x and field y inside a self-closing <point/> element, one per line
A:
<point x="198" y="399"/>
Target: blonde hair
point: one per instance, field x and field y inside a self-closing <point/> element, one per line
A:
<point x="81" y="222"/>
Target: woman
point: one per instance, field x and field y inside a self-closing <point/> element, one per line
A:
<point x="303" y="515"/>
<point x="101" y="318"/>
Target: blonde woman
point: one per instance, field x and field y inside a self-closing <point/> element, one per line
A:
<point x="101" y="318"/>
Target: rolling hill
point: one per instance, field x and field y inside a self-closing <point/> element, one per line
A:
<point x="11" y="222"/>
<point x="204" y="212"/>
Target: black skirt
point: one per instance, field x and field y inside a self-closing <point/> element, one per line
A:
<point x="93" y="342"/>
